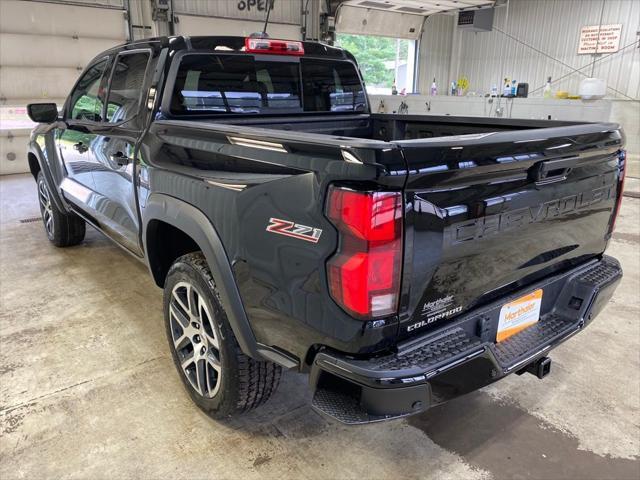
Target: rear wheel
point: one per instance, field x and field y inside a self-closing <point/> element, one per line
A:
<point x="63" y="229"/>
<point x="220" y="379"/>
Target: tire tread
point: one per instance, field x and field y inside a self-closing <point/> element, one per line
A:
<point x="256" y="380"/>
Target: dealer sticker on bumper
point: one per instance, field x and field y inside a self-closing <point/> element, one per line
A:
<point x="517" y="315"/>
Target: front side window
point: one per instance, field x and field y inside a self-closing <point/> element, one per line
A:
<point x="86" y="98"/>
<point x="127" y="82"/>
<point x="214" y="84"/>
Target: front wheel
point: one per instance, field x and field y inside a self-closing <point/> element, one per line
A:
<point x="63" y="229"/>
<point x="220" y="379"/>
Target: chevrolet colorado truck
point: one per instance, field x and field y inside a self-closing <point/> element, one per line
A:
<point x="398" y="260"/>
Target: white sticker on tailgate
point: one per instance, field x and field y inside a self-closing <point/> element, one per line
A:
<point x="517" y="315"/>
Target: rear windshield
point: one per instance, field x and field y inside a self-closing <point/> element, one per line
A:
<point x="214" y="84"/>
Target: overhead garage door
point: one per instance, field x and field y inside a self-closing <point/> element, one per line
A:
<point x="237" y="17"/>
<point x="194" y="25"/>
<point x="43" y="48"/>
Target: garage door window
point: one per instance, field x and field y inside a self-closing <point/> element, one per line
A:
<point x="86" y="99"/>
<point x="384" y="62"/>
<point x="125" y="91"/>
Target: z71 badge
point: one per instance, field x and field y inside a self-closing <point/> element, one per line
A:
<point x="295" y="230"/>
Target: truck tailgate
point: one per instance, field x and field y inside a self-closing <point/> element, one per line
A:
<point x="490" y="213"/>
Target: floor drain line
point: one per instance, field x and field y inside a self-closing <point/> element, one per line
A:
<point x="30" y="220"/>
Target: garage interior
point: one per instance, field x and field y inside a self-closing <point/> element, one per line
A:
<point x="88" y="389"/>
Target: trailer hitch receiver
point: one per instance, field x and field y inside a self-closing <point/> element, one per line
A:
<point x="540" y="368"/>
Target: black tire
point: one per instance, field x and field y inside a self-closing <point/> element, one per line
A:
<point x="63" y="229"/>
<point x="202" y="342"/>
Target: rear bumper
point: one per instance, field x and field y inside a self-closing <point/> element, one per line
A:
<point x="461" y="356"/>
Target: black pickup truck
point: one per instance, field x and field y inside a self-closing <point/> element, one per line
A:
<point x="399" y="260"/>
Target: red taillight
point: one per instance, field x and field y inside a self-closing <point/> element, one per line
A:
<point x="268" y="45"/>
<point x="622" y="157"/>
<point x="364" y="274"/>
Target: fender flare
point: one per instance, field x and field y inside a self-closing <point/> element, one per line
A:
<point x="194" y="223"/>
<point x="54" y="191"/>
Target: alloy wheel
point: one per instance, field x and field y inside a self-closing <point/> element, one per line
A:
<point x="45" y="207"/>
<point x="195" y="339"/>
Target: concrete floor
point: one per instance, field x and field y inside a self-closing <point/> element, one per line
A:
<point x="88" y="389"/>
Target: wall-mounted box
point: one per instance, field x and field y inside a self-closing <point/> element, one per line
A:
<point x="476" y="20"/>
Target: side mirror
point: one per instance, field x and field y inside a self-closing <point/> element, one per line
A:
<point x="43" y="112"/>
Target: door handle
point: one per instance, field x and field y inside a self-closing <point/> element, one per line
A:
<point x="80" y="147"/>
<point x="120" y="158"/>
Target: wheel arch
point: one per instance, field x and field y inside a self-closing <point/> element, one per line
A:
<point x="37" y="164"/>
<point x="192" y="225"/>
<point x="34" y="165"/>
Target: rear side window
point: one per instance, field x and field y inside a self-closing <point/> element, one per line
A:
<point x="215" y="84"/>
<point x="86" y="98"/>
<point x="126" y="86"/>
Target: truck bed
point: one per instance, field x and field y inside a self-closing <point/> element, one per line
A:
<point x="390" y="127"/>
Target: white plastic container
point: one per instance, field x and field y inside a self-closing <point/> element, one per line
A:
<point x="592" y="89"/>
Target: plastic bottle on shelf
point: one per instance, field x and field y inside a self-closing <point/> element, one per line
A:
<point x="394" y="89"/>
<point x="546" y="92"/>
<point x="506" y="89"/>
<point x="434" y="88"/>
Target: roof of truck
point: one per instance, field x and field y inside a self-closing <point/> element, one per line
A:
<point x="227" y="43"/>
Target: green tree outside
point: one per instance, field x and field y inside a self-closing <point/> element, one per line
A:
<point x="372" y="53"/>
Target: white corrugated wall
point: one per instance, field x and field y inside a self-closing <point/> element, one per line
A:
<point x="553" y="28"/>
<point x="435" y="52"/>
